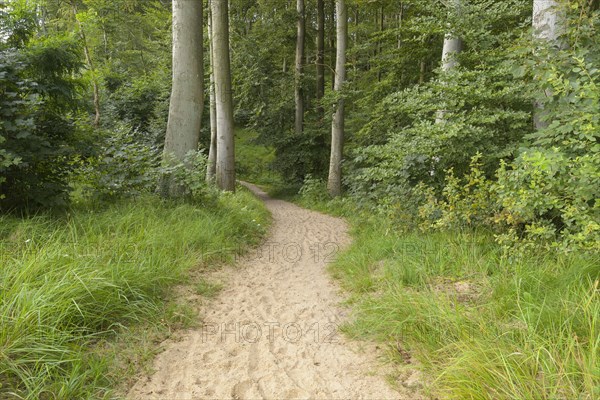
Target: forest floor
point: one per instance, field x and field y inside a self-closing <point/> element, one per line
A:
<point x="273" y="331"/>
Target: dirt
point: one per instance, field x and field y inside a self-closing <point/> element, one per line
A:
<point x="273" y="332"/>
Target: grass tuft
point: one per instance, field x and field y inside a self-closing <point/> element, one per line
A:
<point x="68" y="284"/>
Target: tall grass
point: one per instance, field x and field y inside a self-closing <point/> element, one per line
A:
<point x="67" y="282"/>
<point x="483" y="323"/>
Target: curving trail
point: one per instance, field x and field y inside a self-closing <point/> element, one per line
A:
<point x="272" y="334"/>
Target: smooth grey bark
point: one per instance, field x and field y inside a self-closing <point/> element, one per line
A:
<point x="547" y="26"/>
<point x="452" y="46"/>
<point x="298" y="93"/>
<point x="334" y="183"/>
<point x="187" y="95"/>
<point x="320" y="62"/>
<point x="211" y="166"/>
<point x="546" y="20"/>
<point x="225" y="171"/>
<point x="332" y="42"/>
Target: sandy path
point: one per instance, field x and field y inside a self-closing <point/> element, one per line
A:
<point x="272" y="333"/>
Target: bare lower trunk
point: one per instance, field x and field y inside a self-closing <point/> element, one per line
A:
<point x="334" y="184"/>
<point x="185" y="108"/>
<point x="299" y="97"/>
<point x="225" y="171"/>
<point x="211" y="165"/>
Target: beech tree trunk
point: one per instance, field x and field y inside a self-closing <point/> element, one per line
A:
<point x="334" y="183"/>
<point x="452" y="46"/>
<point x="320" y="56"/>
<point x="187" y="96"/>
<point x="546" y="20"/>
<point x="332" y="42"/>
<point x="299" y="97"/>
<point x="224" y="103"/>
<point x="547" y="26"/>
<point x="211" y="166"/>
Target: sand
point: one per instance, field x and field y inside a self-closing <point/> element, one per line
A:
<point x="272" y="333"/>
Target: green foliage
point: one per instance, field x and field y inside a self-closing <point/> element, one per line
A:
<point x="68" y="283"/>
<point x="38" y="101"/>
<point x="254" y="161"/>
<point x="189" y="177"/>
<point x="17" y="24"/>
<point x="122" y="167"/>
<point x="551" y="200"/>
<point x="543" y="200"/>
<point x="550" y="193"/>
<point x="313" y="190"/>
<point x="141" y="104"/>
<point x="411" y="158"/>
<point x="402" y="145"/>
<point x="464" y="203"/>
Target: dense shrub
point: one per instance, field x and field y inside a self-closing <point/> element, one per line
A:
<point x="39" y="136"/>
<point x="123" y="166"/>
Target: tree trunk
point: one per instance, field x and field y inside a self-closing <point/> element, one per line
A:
<point x="547" y="26"/>
<point x="452" y="46"/>
<point x="90" y="64"/>
<point x="211" y="166"/>
<point x="332" y="42"/>
<point x="334" y="184"/>
<point x="320" y="56"/>
<point x="299" y="97"/>
<point x="546" y="20"/>
<point x="187" y="95"/>
<point x="380" y="44"/>
<point x="223" y="97"/>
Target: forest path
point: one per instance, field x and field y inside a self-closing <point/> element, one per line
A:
<point x="272" y="333"/>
